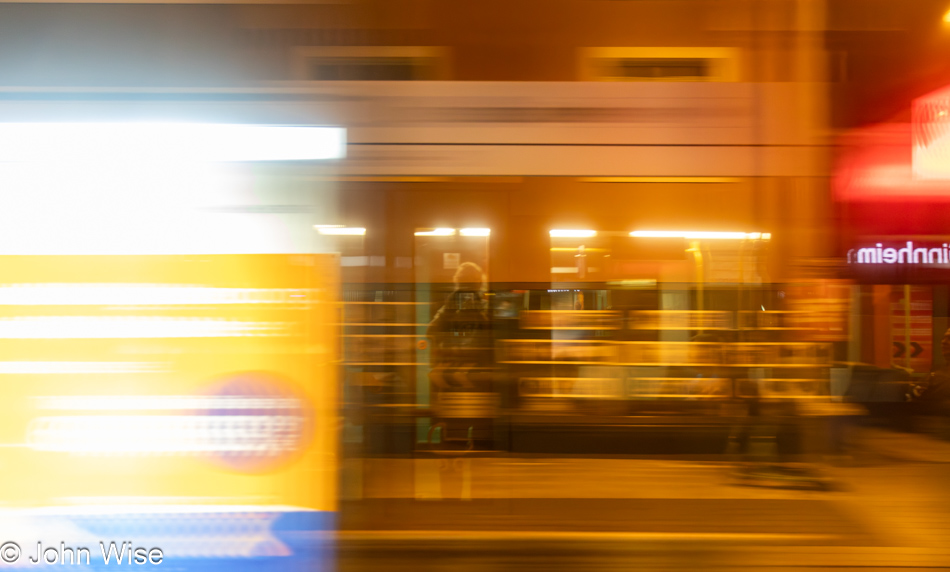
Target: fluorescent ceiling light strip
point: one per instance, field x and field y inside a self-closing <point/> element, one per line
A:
<point x="567" y="233"/>
<point x="163" y="402"/>
<point x="85" y="327"/>
<point x="142" y="295"/>
<point x="77" y="367"/>
<point x="475" y="232"/>
<point x="167" y="142"/>
<point x="699" y="234"/>
<point x="437" y="232"/>
<point x="342" y="231"/>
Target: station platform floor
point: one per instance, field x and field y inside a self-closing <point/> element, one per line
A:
<point x="884" y="504"/>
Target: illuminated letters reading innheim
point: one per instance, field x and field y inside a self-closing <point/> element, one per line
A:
<point x="878" y="254"/>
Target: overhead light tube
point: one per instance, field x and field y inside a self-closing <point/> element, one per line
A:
<point x="568" y="233"/>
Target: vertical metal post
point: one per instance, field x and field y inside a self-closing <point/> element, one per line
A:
<point x="696" y="251"/>
<point x="907" y="350"/>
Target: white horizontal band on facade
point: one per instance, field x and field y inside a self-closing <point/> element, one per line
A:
<point x="167" y="142"/>
<point x="568" y="160"/>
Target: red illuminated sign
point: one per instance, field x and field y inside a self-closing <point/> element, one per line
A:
<point x="931" y="135"/>
<point x="891" y="184"/>
<point x="877" y="164"/>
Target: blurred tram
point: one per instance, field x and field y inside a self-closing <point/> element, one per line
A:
<point x="167" y="332"/>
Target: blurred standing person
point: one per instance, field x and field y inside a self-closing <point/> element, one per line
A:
<point x="933" y="395"/>
<point x="462" y="359"/>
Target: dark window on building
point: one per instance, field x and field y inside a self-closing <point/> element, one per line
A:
<point x="368" y="69"/>
<point x="659" y="68"/>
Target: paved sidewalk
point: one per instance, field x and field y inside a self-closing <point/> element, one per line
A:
<point x="893" y="490"/>
<point x="910" y="447"/>
<point x="518" y="554"/>
<point x="750" y="521"/>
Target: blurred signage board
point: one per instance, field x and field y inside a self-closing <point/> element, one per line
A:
<point x="169" y="360"/>
<point x="180" y="402"/>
